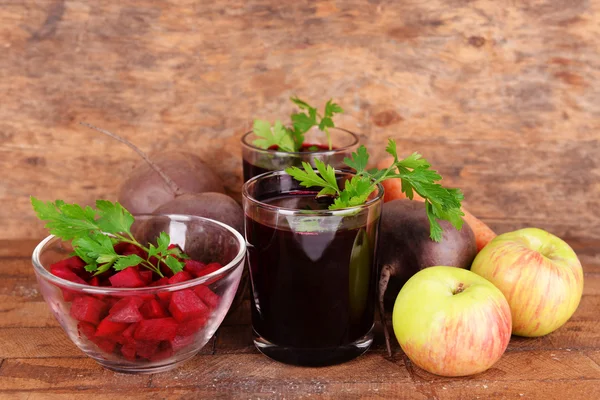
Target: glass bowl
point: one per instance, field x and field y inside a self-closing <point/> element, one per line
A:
<point x="163" y="339"/>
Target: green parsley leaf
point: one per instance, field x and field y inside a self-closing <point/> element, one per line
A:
<point x="173" y="263"/>
<point x="415" y="173"/>
<point x="358" y="160"/>
<point x="114" y="218"/>
<point x="276" y="136"/>
<point x="291" y="139"/>
<point x="94" y="232"/>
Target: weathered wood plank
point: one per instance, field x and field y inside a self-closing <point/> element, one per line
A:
<point x="72" y="373"/>
<point x="30" y="314"/>
<point x="535" y="390"/>
<point x="528" y="365"/>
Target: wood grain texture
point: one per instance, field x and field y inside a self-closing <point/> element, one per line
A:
<point x="499" y="96"/>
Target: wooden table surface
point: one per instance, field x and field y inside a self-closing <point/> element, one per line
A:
<point x="37" y="360"/>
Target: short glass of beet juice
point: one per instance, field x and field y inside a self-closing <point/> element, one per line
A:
<point x="312" y="270"/>
<point x="257" y="161"/>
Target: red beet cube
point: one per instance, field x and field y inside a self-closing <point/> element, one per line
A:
<point x="179" y="277"/>
<point x="146" y="275"/>
<point x="126" y="249"/>
<point x="164" y="298"/>
<point x="126" y="310"/>
<point x="156" y="329"/>
<point x="152" y="309"/>
<point x="127" y="334"/>
<point x="161" y="354"/>
<point x="146" y="348"/>
<point x="107" y="327"/>
<point x="64" y="272"/>
<point x="94" y="281"/>
<point x="105" y="344"/>
<point x="88" y="309"/>
<point x="179" y="342"/>
<point x="191" y="327"/>
<point x="128" y="278"/>
<point x="128" y="351"/>
<point x="185" y="305"/>
<point x="160" y="282"/>
<point x="86" y="329"/>
<point x="68" y="295"/>
<point x="194" y="267"/>
<point x="209" y="297"/>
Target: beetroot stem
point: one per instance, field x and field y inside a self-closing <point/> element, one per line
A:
<point x="172" y="185"/>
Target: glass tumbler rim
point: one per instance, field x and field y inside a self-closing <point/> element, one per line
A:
<point x="236" y="261"/>
<point x="355" y="141"/>
<point x="293" y="211"/>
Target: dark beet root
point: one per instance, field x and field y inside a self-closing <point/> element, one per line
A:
<point x="405" y="248"/>
<point x="145" y="190"/>
<point x="212" y="205"/>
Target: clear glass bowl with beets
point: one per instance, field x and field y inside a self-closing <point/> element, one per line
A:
<point x="313" y="271"/>
<point x="151" y="328"/>
<point x="257" y="161"/>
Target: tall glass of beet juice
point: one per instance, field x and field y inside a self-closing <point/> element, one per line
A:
<point x="312" y="271"/>
<point x="257" y="160"/>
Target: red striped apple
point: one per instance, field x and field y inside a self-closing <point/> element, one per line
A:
<point x="451" y="322"/>
<point x="539" y="274"/>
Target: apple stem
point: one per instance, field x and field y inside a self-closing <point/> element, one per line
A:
<point x="459" y="289"/>
<point x="386" y="273"/>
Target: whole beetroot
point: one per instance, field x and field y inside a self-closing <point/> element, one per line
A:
<point x="405" y="248"/>
<point x="212" y="205"/>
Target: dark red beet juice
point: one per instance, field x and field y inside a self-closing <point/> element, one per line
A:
<point x="313" y="280"/>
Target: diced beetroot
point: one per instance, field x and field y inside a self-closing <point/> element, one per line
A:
<point x="68" y="295"/>
<point x="128" y="351"/>
<point x="210" y="268"/>
<point x="126" y="314"/>
<point x="152" y="309"/>
<point x="179" y="277"/>
<point x="161" y="354"/>
<point x="209" y="297"/>
<point x="109" y="328"/>
<point x="94" y="281"/>
<point x="126" y="249"/>
<point x="146" y="348"/>
<point x="64" y="272"/>
<point x="191" y="327"/>
<point x="164" y="269"/>
<point x="156" y="329"/>
<point x="86" y="329"/>
<point x="128" y="278"/>
<point x="126" y="302"/>
<point x="127" y="334"/>
<point x="185" y="305"/>
<point x="146" y="275"/>
<point x="73" y="263"/>
<point x="106" y="345"/>
<point x="179" y="342"/>
<point x="164" y="298"/>
<point x="160" y="282"/>
<point x="88" y="309"/>
<point x="194" y="267"/>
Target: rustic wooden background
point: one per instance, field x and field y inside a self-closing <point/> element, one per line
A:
<point x="501" y="96"/>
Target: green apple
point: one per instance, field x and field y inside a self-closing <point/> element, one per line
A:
<point x="451" y="322"/>
<point x="539" y="274"/>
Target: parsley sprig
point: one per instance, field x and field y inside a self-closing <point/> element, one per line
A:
<point x="414" y="171"/>
<point x="291" y="139"/>
<point x="94" y="233"/>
